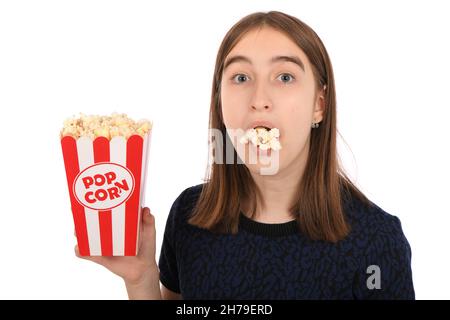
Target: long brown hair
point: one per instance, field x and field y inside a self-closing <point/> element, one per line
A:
<point x="324" y="185"/>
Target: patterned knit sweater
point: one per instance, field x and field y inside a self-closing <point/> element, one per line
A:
<point x="276" y="261"/>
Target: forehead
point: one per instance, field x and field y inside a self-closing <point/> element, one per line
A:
<point x="261" y="44"/>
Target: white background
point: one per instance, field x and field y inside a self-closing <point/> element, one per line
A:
<point x="155" y="60"/>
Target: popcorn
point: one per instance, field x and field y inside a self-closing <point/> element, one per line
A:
<point x="263" y="138"/>
<point x="93" y="126"/>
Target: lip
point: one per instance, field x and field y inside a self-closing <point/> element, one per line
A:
<point x="261" y="123"/>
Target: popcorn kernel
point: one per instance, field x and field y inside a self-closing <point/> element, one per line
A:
<point x="93" y="126"/>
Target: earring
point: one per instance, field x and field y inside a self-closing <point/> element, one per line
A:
<point x="315" y="125"/>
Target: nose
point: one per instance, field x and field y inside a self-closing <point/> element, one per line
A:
<point x="260" y="99"/>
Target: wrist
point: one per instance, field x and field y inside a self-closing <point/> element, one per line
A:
<point x="146" y="286"/>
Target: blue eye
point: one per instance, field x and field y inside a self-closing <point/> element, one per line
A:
<point x="240" y="78"/>
<point x="286" y="77"/>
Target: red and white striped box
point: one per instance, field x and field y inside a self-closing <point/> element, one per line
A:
<point x="106" y="180"/>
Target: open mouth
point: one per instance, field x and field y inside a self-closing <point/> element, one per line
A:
<point x="262" y="127"/>
<point x="263" y="137"/>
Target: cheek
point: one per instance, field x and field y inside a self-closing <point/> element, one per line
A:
<point x="297" y="108"/>
<point x="233" y="107"/>
<point x="297" y="123"/>
<point x="299" y="116"/>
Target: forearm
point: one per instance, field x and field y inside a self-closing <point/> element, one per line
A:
<point x="147" y="288"/>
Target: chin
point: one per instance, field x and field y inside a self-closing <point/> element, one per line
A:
<point x="265" y="167"/>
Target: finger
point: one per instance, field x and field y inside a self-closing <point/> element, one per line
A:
<point x="141" y="228"/>
<point x="146" y="213"/>
<point x="141" y="225"/>
<point x="148" y="219"/>
<point x="148" y="235"/>
<point x="104" y="261"/>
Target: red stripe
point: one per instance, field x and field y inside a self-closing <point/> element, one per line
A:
<point x="101" y="154"/>
<point x="134" y="164"/>
<point x="69" y="148"/>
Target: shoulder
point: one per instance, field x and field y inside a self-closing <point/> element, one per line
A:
<point x="188" y="198"/>
<point x="378" y="240"/>
<point x="369" y="218"/>
<point x="377" y="237"/>
<point x="374" y="228"/>
<point x="184" y="204"/>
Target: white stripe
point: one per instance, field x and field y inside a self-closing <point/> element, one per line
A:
<point x="145" y="151"/>
<point x="146" y="148"/>
<point x="85" y="149"/>
<point x="118" y="154"/>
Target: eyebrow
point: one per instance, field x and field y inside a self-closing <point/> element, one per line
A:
<point x="292" y="59"/>
<point x="239" y="58"/>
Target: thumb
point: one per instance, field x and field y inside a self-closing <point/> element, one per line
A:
<point x="148" y="235"/>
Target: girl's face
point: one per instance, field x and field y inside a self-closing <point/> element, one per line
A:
<point x="268" y="78"/>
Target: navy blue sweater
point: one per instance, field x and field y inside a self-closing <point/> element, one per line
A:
<point x="275" y="261"/>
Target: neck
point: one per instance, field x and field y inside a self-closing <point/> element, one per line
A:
<point x="278" y="192"/>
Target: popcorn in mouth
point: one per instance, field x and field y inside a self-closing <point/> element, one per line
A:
<point x="262" y="137"/>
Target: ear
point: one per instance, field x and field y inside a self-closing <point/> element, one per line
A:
<point x="319" y="106"/>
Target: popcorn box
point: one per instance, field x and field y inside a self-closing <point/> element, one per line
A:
<point x="106" y="180"/>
